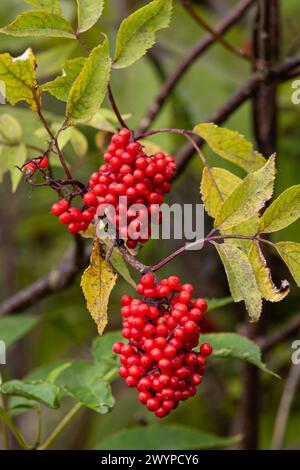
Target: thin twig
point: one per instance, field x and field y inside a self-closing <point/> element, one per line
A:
<point x="189" y="59"/>
<point x="61" y="427"/>
<point x="218" y="37"/>
<point x="284" y="408"/>
<point x="115" y="107"/>
<point x="286" y="331"/>
<point x="280" y="73"/>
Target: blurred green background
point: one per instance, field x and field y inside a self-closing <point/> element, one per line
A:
<point x="32" y="241"/>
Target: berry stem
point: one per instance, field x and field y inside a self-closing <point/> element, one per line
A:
<point x="115" y="107"/>
<point x="208" y="238"/>
<point x="54" y="142"/>
<point x="164" y="131"/>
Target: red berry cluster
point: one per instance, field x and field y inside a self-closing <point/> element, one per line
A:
<point x="40" y="162"/>
<point x="75" y="219"/>
<point x="162" y="332"/>
<point x="130" y="173"/>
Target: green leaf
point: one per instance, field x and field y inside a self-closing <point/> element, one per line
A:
<point x="282" y="212"/>
<point x="231" y="146"/>
<point x="40" y="391"/>
<point x="79" y="142"/>
<point x="263" y="276"/>
<point x="248" y="197"/>
<point x="14" y="328"/>
<point x="52" y="6"/>
<point x="10" y="157"/>
<point x="232" y="345"/>
<point x="89" y="11"/>
<point x="241" y="278"/>
<point x="89" y="89"/>
<point x="164" y="437"/>
<point x="214" y="304"/>
<point x="39" y="23"/>
<point x="56" y="372"/>
<point x="102" y="346"/>
<point x="216" y="185"/>
<point x="97" y="282"/>
<point x="137" y="32"/>
<point x="61" y="86"/>
<point x="18" y="74"/>
<point x="82" y="381"/>
<point x="290" y="253"/>
<point x="10" y="129"/>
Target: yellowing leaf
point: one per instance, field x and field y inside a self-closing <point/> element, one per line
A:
<point x="263" y="276"/>
<point x="248" y="228"/>
<point x="60" y="87"/>
<point x="248" y="197"/>
<point x="290" y="253"/>
<point x="52" y="6"/>
<point x="241" y="278"/>
<point x="97" y="283"/>
<point x="231" y="146"/>
<point x="216" y="185"/>
<point x="282" y="212"/>
<point x="89" y="11"/>
<point x="39" y="23"/>
<point x="137" y="32"/>
<point x="89" y="89"/>
<point x="18" y="74"/>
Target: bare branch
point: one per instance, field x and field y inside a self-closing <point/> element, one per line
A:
<point x="279" y="74"/>
<point x="225" y="24"/>
<point x="58" y="279"/>
<point x="281" y="335"/>
<point x="187" y="4"/>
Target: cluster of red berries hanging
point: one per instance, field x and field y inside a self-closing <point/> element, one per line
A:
<point x="32" y="166"/>
<point x="162" y="332"/>
<point x="129" y="172"/>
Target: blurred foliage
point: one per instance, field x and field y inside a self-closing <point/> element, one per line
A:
<point x="32" y="241"/>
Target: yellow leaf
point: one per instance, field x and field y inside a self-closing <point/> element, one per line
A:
<point x="19" y="77"/>
<point x="282" y="212"/>
<point x="216" y="185"/>
<point x="263" y="276"/>
<point x="249" y="228"/>
<point x="248" y="197"/>
<point x="97" y="283"/>
<point x="231" y="146"/>
<point x="241" y="278"/>
<point x="290" y="253"/>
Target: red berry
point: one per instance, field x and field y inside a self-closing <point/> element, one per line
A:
<point x="152" y="404"/>
<point x="90" y="199"/>
<point x="205" y="349"/>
